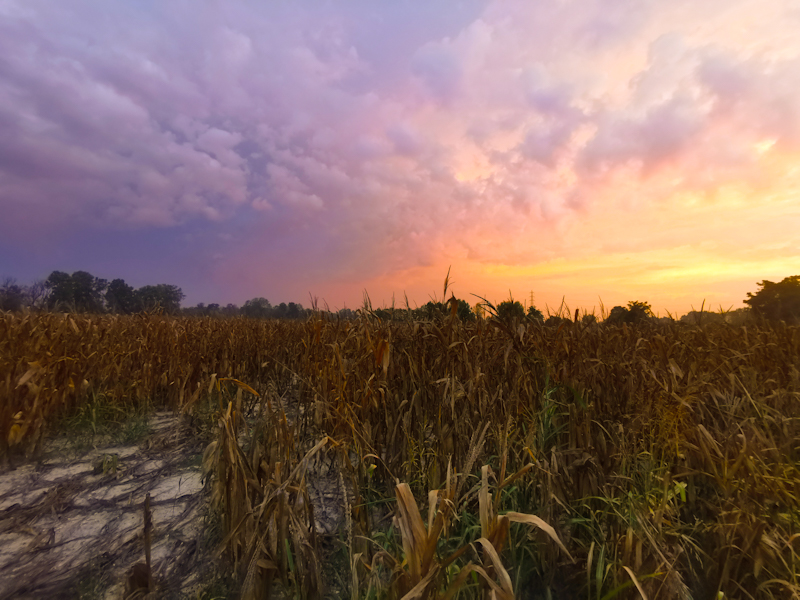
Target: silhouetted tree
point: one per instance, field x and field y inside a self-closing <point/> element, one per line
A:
<point x="739" y="317"/>
<point x="777" y="301"/>
<point x="88" y="291"/>
<point x="535" y="314"/>
<point x="294" y="311"/>
<point x="62" y="294"/>
<point x="230" y="310"/>
<point x="197" y="310"/>
<point x="696" y="317"/>
<point x="463" y="310"/>
<point x="440" y="310"/>
<point x="634" y="313"/>
<point x="556" y="321"/>
<point x="257" y="308"/>
<point x="638" y="311"/>
<point x="346" y="314"/>
<point x="510" y="310"/>
<point x="162" y="296"/>
<point x="37" y="294"/>
<point x="617" y="316"/>
<point x="12" y="296"/>
<point x="384" y="314"/>
<point x="81" y="291"/>
<point x="121" y="298"/>
<point x="431" y="310"/>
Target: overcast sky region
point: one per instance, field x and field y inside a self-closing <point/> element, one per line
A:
<point x="593" y="150"/>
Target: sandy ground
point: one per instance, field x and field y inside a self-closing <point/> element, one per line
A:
<point x="71" y="524"/>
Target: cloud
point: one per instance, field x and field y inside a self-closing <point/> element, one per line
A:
<point x="760" y="97"/>
<point x="440" y="69"/>
<point x="357" y="138"/>
<point x="662" y="134"/>
<point x="220" y="145"/>
<point x="406" y="139"/>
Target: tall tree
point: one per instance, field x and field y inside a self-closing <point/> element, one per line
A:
<point x="88" y="291"/>
<point x="12" y="296"/>
<point x="62" y="293"/>
<point x="81" y="291"/>
<point x="257" y="308"/>
<point x="618" y="315"/>
<point x="463" y="310"/>
<point x="160" y="297"/>
<point x="635" y="312"/>
<point x="37" y="294"/>
<point x="777" y="301"/>
<point x="510" y="310"/>
<point x="294" y="311"/>
<point x="638" y="311"/>
<point x="432" y="310"/>
<point x="535" y="314"/>
<point x="121" y="297"/>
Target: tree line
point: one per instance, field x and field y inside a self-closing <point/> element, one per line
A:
<point x="83" y="292"/>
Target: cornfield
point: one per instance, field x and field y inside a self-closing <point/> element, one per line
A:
<point x="587" y="460"/>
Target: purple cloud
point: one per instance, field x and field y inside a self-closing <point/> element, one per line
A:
<point x="290" y="143"/>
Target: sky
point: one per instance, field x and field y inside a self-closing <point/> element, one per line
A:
<point x="590" y="151"/>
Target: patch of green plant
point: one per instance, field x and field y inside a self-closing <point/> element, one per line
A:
<point x="93" y="581"/>
<point x="221" y="586"/>
<point x="204" y="416"/>
<point x="102" y="417"/>
<point x="134" y="430"/>
<point x="212" y="529"/>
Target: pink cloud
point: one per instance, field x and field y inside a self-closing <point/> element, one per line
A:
<point x="354" y="139"/>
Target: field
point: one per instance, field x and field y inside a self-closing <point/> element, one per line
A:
<point x="580" y="461"/>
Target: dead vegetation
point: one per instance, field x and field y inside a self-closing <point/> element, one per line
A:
<point x="584" y="460"/>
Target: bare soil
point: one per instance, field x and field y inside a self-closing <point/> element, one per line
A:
<point x="72" y="522"/>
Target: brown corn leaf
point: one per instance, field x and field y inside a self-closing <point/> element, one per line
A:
<point x="241" y="384"/>
<point x="35" y="367"/>
<point x="485" y="503"/>
<point x="502" y="574"/>
<point x="412" y="530"/>
<point x="636" y="582"/>
<point x="433" y="496"/>
<point x="420" y="590"/>
<point x="498" y="592"/>
<point x="516" y="517"/>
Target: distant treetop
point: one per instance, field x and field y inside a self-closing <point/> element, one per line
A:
<point x="777" y="301"/>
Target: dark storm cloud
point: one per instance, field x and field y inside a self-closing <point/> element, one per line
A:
<point x="358" y="137"/>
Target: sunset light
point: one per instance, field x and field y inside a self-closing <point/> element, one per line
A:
<point x="591" y="152"/>
<point x="400" y="299"/>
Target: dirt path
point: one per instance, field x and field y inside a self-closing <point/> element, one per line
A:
<point x="71" y="525"/>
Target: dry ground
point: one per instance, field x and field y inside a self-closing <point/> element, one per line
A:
<point x="71" y="523"/>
